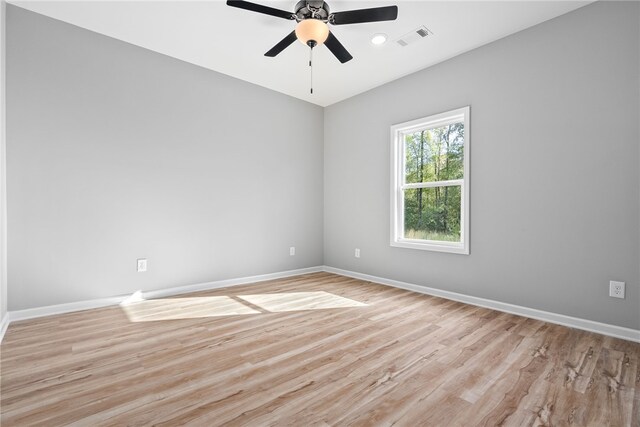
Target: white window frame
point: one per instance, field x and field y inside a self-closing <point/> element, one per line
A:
<point x="398" y="186"/>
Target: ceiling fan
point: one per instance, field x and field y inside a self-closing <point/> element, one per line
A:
<point x="312" y="17"/>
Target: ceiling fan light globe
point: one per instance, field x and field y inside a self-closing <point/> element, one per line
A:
<point x="312" y="29"/>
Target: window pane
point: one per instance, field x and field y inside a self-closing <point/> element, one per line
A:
<point x="432" y="213"/>
<point x="435" y="154"/>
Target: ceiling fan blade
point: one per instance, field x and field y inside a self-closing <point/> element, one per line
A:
<point x="260" y="9"/>
<point x="337" y="49"/>
<point x="387" y="13"/>
<point x="282" y="44"/>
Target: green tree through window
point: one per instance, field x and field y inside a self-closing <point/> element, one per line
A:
<point x="434" y="155"/>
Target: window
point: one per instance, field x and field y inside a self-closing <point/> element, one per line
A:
<point x="430" y="183"/>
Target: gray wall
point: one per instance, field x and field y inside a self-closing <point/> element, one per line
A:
<point x="116" y="153"/>
<point x="3" y="192"/>
<point x="554" y="168"/>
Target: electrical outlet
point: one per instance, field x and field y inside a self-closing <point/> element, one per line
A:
<point x="142" y="265"/>
<point x="357" y="253"/>
<point x="292" y="250"/>
<point x="616" y="289"/>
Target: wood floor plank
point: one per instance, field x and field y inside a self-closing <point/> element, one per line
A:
<point x="316" y="350"/>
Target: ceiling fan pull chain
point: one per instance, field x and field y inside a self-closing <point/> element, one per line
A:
<point x="311" y="66"/>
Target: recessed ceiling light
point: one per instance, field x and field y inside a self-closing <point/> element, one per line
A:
<point x="379" y="38"/>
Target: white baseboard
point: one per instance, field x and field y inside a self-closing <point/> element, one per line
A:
<point x="32" y="313"/>
<point x="560" y="319"/>
<point x="4" y="324"/>
<point x="161" y="293"/>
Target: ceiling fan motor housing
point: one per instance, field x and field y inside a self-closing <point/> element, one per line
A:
<point x="312" y="9"/>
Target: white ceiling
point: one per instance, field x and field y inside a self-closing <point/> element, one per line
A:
<point x="233" y="41"/>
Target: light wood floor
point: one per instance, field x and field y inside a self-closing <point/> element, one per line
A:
<point x="318" y="349"/>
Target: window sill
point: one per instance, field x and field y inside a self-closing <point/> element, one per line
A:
<point x="425" y="245"/>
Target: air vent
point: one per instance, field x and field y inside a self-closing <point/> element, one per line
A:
<point x="413" y="36"/>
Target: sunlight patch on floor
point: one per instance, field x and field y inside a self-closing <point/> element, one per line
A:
<point x="140" y="310"/>
<point x="294" y="301"/>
